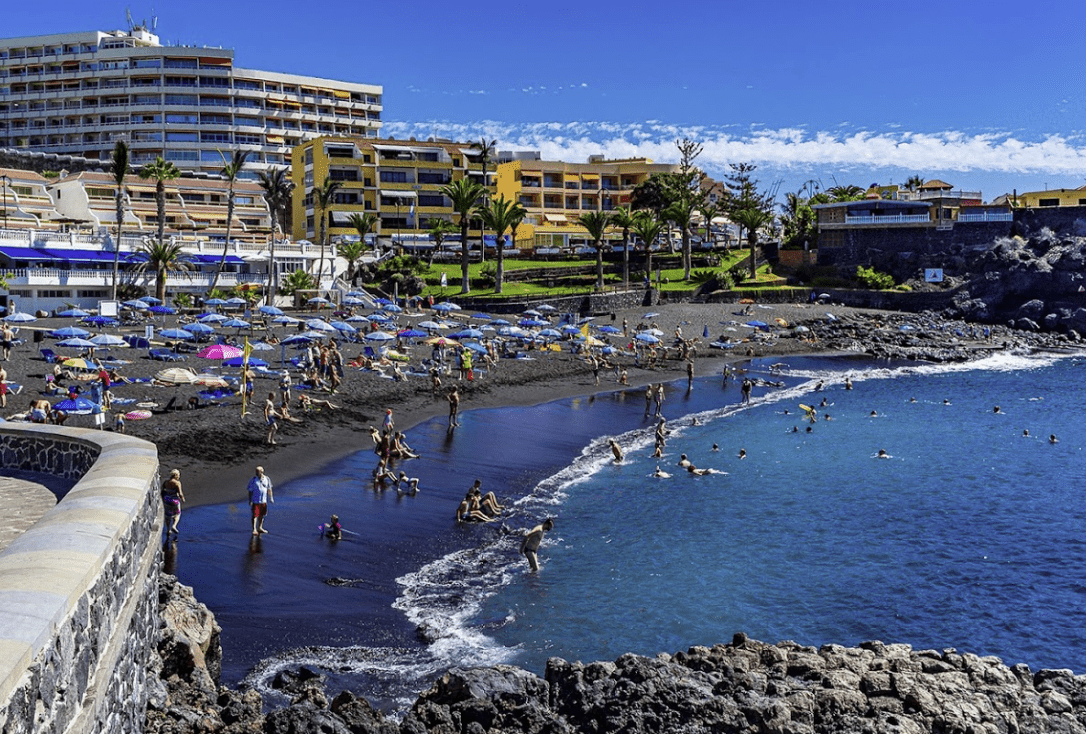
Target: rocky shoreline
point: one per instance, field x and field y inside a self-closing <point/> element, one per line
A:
<point x="742" y="686"/>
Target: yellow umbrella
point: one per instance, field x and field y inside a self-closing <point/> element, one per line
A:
<point x="780" y="321"/>
<point x="441" y="340"/>
<point x="78" y="363"/>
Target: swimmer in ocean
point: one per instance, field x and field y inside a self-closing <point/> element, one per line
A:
<point x="848" y="383"/>
<point x="874" y="414"/>
<point x="1025" y="433"/>
<point x="659" y="474"/>
<point x="742" y="453"/>
<point x="996" y="410"/>
<point x="715" y="447"/>
<point x="1053" y="439"/>
<point x="912" y="400"/>
<point x="683" y="461"/>
<point x="698" y="472"/>
<point x="946" y="402"/>
<point x="883" y="455"/>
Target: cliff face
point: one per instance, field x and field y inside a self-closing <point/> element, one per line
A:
<point x="742" y="687"/>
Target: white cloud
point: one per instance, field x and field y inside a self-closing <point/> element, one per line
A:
<point x="949" y="150"/>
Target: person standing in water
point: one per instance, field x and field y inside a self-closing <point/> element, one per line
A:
<point x="529" y="548"/>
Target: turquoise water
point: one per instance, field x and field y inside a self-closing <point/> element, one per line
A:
<point x="969" y="536"/>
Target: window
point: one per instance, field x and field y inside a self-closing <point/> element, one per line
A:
<point x="1048" y="202"/>
<point x="431" y="200"/>
<point x="181" y="119"/>
<point x="393" y="176"/>
<point x="181" y="137"/>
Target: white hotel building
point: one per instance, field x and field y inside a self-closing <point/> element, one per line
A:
<point x="78" y="93"/>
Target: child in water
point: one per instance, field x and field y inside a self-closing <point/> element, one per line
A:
<point x="332" y="529"/>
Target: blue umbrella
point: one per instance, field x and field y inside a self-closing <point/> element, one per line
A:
<point x="352" y="301"/>
<point x="357" y="318"/>
<point x="532" y="312"/>
<point x="212" y="318"/>
<point x="149" y="299"/>
<point x="108" y="340"/>
<point x="647" y="338"/>
<point x="177" y="334"/>
<point x="546" y="307"/>
<point x="236" y="301"/>
<point x="379" y="336"/>
<point x="318" y="300"/>
<point x="532" y="322"/>
<point x="475" y="347"/>
<point x="446" y="306"/>
<point x="77" y="342"/>
<point x="343" y="326"/>
<point x="79" y="406"/>
<point x="100" y="321"/>
<point x="237" y="362"/>
<point x="297" y="339"/>
<point x="484" y="316"/>
<point x="570" y="329"/>
<point x="381" y="317"/>
<point x="431" y="325"/>
<point x="551" y="333"/>
<point x="74" y="313"/>
<point x="393" y="308"/>
<point x="467" y="334"/>
<point x="413" y="333"/>
<point x="318" y="325"/>
<point x="501" y="322"/>
<point x="284" y="320"/>
<point x="138" y="305"/>
<point x="68" y="332"/>
<point x="382" y="301"/>
<point x="199" y="328"/>
<point x="271" y="310"/>
<point x="608" y="329"/>
<point x="214" y="302"/>
<point x="235" y="324"/>
<point x="162" y="309"/>
<point x="20" y="318"/>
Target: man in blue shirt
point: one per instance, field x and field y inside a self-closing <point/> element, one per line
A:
<point x="260" y="494"/>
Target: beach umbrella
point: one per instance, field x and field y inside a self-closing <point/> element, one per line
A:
<point x="20" y="318"/>
<point x="177" y="334"/>
<point x="78" y="406"/>
<point x="529" y="323"/>
<point x="108" y="340"/>
<point x="68" y="332"/>
<point x="98" y="321"/>
<point x="413" y="334"/>
<point x="236" y="301"/>
<point x="209" y="380"/>
<point x="379" y="336"/>
<point x="315" y="335"/>
<point x="270" y="311"/>
<point x="352" y="301"/>
<point x="356" y="294"/>
<point x="476" y="347"/>
<point x="77" y="342"/>
<point x="137" y="305"/>
<point x="608" y="329"/>
<point x="485" y="316"/>
<point x="441" y="341"/>
<point x="74" y="313"/>
<point x="431" y="325"/>
<point x="215" y="302"/>
<point x="220" y="351"/>
<point x="585" y="320"/>
<point x="175" y="376"/>
<point x="446" y="306"/>
<point x="647" y="338"/>
<point x="165" y="310"/>
<point x="78" y="363"/>
<point x="468" y="333"/>
<point x="570" y="329"/>
<point x="344" y="327"/>
<point x="357" y="318"/>
<point x="551" y="333"/>
<point x="513" y="331"/>
<point x="199" y="328"/>
<point x="501" y="322"/>
<point x="235" y="324"/>
<point x="801" y="330"/>
<point x="757" y="324"/>
<point x="382" y="301"/>
<point x="211" y="318"/>
<point x="650" y="315"/>
<point x="239" y="361"/>
<point x="260" y="347"/>
<point x="532" y="312"/>
<point x="285" y="320"/>
<point x="319" y="325"/>
<point x="297" y="339"/>
<point x="394" y="308"/>
<point x="149" y="299"/>
<point x="318" y="300"/>
<point x="381" y="318"/>
<point x="654" y="332"/>
<point x="547" y="308"/>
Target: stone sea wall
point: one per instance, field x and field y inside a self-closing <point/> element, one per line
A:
<point x="79" y="614"/>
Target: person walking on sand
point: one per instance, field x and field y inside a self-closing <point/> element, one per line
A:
<point x="616" y="450"/>
<point x="271" y="418"/>
<point x="529" y="547"/>
<point x="172" y="497"/>
<point x="260" y="494"/>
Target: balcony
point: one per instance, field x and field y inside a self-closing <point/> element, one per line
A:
<point x="986" y="217"/>
<point x="885" y="219"/>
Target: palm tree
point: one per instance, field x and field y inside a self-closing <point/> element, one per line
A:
<point x="486" y="149"/>
<point x="752" y="220"/>
<point x="119" y="166"/>
<point x="364" y="224"/>
<point x="277" y="190"/>
<point x="596" y="223"/>
<point x="648" y="228"/>
<point x="230" y="171"/>
<point x="624" y="218"/>
<point x="464" y="194"/>
<point x="914" y="182"/>
<point x="681" y="212"/>
<point x="323" y="196"/>
<point x="709" y="212"/>
<point x="438" y="228"/>
<point x="161" y="170"/>
<point x="501" y="214"/>
<point x="161" y="257"/>
<point x="352" y="252"/>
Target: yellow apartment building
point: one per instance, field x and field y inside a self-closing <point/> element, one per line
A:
<point x="555" y="194"/>
<point x="397" y="180"/>
<point x="1051" y="197"/>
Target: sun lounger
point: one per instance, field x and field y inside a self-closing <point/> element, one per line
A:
<point x="164" y="355"/>
<point x="50" y="356"/>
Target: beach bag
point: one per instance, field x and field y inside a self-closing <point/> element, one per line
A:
<point x="471" y="375"/>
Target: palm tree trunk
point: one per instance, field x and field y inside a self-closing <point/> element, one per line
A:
<point x="226" y="245"/>
<point x="465" y="283"/>
<point x="599" y="266"/>
<point x="499" y="272"/>
<point x="625" y="258"/>
<point x="752" y="239"/>
<point x="160" y="284"/>
<point x="271" y="265"/>
<point x="117" y="245"/>
<point x="686" y="252"/>
<point x="160" y="199"/>
<point x="324" y="232"/>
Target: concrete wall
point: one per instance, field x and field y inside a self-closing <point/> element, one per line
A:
<point x="79" y="589"/>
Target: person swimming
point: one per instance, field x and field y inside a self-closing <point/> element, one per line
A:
<point x="616" y="450"/>
<point x="660" y="474"/>
<point x="1053" y="439"/>
<point x="883" y="455"/>
<point x="742" y="453"/>
<point x="715" y="447"/>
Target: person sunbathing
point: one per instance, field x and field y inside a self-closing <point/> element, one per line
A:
<point x="284" y="413"/>
<point x="309" y="403"/>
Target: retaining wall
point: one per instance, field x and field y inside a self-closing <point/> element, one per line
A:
<point x="79" y="589"/>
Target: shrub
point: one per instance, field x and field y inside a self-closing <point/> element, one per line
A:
<point x="873" y="279"/>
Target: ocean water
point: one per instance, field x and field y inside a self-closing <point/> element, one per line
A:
<point x="968" y="536"/>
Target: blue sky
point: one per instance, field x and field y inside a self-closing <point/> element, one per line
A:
<point x="985" y="95"/>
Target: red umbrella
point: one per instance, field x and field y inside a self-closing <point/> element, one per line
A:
<point x="220" y="351"/>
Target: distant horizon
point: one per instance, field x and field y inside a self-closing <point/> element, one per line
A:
<point x="863" y="94"/>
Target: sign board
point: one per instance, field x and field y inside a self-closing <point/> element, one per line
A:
<point x="933" y="275"/>
<point x="109" y="308"/>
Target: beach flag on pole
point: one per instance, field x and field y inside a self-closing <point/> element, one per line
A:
<point x="584" y="331"/>
<point x="245" y="352"/>
<point x="411" y="212"/>
<point x="444" y="280"/>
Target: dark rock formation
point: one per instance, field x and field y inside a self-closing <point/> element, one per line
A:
<point x="745" y="687"/>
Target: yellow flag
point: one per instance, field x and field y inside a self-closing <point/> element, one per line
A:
<point x="246" y="351"/>
<point x="584" y="331"/>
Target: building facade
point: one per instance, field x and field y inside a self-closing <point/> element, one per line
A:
<point x="556" y="193"/>
<point x="78" y="93"/>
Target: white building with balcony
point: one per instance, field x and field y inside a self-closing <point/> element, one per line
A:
<point x="78" y="93"/>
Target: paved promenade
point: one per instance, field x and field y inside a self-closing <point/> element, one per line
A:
<point x="24" y="497"/>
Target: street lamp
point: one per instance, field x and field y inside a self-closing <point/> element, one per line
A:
<point x="7" y="182"/>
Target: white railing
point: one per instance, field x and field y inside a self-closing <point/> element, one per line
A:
<point x="986" y="217"/>
<point x="905" y="195"/>
<point x="889" y="219"/>
<point x="104" y="278"/>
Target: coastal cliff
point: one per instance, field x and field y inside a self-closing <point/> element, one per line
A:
<point x="743" y="686"/>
